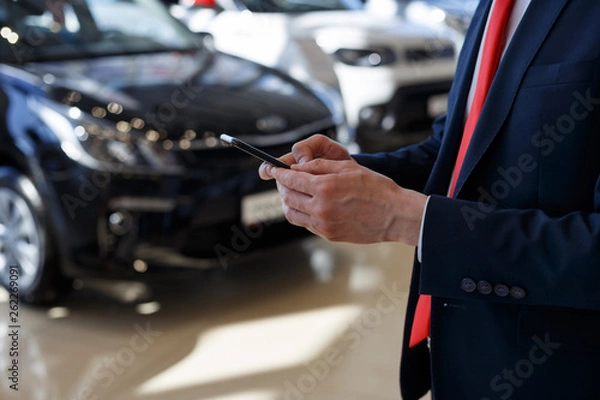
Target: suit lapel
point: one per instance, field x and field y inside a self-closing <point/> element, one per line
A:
<point x="536" y="24"/>
<point x="440" y="176"/>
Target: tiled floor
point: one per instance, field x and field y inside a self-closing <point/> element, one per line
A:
<point x="313" y="322"/>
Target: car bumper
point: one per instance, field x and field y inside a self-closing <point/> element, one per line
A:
<point x="125" y="225"/>
<point x="405" y="119"/>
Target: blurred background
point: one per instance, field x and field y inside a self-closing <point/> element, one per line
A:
<point x="143" y="259"/>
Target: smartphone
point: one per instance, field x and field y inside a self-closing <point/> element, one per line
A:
<point x="253" y="151"/>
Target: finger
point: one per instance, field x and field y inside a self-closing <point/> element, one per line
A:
<point x="299" y="181"/>
<point x="332" y="150"/>
<point x="294" y="199"/>
<point x="321" y="166"/>
<point x="305" y="150"/>
<point x="297" y="218"/>
<point x="318" y="146"/>
<point x="293" y="215"/>
<point x="264" y="171"/>
<point x="288" y="158"/>
<point x="333" y="232"/>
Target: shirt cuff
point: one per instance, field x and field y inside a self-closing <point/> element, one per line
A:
<point x="420" y="246"/>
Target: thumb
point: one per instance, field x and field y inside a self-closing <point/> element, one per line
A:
<point x="302" y="154"/>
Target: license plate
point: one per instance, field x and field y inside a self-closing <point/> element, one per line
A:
<point x="261" y="208"/>
<point x="437" y="105"/>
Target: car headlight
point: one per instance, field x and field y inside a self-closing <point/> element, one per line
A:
<point x="433" y="16"/>
<point x="104" y="145"/>
<point x="424" y="13"/>
<point x="366" y="57"/>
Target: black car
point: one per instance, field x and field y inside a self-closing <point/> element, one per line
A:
<point x="110" y="163"/>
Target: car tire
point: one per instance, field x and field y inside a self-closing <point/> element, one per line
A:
<point x="27" y="256"/>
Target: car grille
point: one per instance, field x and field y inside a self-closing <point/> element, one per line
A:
<point x="408" y="111"/>
<point x="434" y="52"/>
<point x="224" y="158"/>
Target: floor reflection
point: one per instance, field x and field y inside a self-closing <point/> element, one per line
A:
<point x="310" y="321"/>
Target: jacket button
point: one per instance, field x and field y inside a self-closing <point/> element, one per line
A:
<point x="484" y="287"/>
<point x="501" y="290"/>
<point x="518" y="292"/>
<point x="468" y="285"/>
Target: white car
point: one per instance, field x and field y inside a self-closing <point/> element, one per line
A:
<point x="450" y="17"/>
<point x="394" y="76"/>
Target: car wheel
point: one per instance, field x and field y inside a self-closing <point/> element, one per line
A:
<point x="26" y="256"/>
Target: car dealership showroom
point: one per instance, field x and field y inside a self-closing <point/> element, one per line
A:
<point x="141" y="256"/>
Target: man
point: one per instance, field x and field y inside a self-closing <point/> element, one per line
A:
<point x="503" y="202"/>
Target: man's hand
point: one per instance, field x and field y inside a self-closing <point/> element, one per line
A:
<point x="340" y="200"/>
<point x="317" y="146"/>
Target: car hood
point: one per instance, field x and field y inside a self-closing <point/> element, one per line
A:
<point x="459" y="7"/>
<point x="173" y="93"/>
<point x="358" y="20"/>
<point x="363" y="29"/>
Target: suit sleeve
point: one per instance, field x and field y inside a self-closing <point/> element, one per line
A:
<point x="556" y="261"/>
<point x="410" y="166"/>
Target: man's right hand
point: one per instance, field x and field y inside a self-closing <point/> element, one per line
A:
<point x="317" y="146"/>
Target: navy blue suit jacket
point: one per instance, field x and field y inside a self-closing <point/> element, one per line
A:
<point x="513" y="263"/>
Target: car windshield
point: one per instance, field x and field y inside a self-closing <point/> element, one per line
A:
<point x="38" y="30"/>
<point x="296" y="6"/>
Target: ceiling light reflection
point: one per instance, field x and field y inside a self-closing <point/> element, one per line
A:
<point x="149" y="308"/>
<point x="57" y="312"/>
<point x="255" y="347"/>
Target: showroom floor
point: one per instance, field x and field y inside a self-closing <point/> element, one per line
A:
<point x="316" y="321"/>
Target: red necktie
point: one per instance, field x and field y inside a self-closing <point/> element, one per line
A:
<point x="492" y="53"/>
